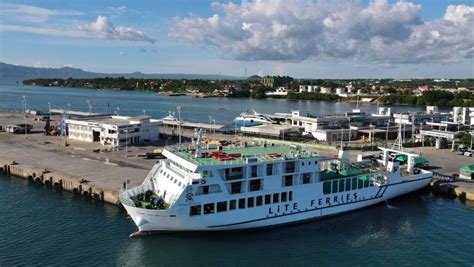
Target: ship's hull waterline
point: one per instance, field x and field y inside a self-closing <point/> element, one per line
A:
<point x="303" y="208"/>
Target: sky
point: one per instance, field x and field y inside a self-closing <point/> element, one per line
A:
<point x="301" y="38"/>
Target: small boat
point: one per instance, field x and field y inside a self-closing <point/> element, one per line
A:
<point x="248" y="119"/>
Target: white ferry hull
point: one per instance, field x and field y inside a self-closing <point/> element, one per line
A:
<point x="307" y="205"/>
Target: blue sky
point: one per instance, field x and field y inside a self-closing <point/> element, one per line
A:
<point x="306" y="39"/>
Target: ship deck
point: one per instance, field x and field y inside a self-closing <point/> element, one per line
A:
<point x="239" y="155"/>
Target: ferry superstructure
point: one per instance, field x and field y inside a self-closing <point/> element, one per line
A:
<point x="261" y="186"/>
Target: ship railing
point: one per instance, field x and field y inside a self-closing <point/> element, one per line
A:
<point x="125" y="197"/>
<point x="152" y="173"/>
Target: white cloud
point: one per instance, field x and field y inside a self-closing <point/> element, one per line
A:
<point x="296" y="30"/>
<point x="103" y="28"/>
<point x="34" y="14"/>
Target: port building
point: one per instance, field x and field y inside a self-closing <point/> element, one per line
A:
<point x="114" y="130"/>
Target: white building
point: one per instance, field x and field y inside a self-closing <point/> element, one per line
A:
<point x="114" y="130"/>
<point x="308" y="88"/>
<point x="326" y="90"/>
<point x="280" y="91"/>
<point x="463" y="115"/>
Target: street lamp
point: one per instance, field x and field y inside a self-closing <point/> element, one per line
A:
<point x="214" y="134"/>
<point x="118" y="110"/>
<point x="24" y="105"/>
<point x="89" y="104"/>
<point x="210" y="124"/>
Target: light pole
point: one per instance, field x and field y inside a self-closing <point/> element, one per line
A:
<point x="118" y="111"/>
<point x="144" y="112"/>
<point x="179" y="124"/>
<point x="214" y="133"/>
<point x="89" y="104"/>
<point x="126" y="143"/>
<point x="210" y="124"/>
<point x="26" y="125"/>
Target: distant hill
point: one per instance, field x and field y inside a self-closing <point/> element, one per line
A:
<point x="254" y="78"/>
<point x="17" y="72"/>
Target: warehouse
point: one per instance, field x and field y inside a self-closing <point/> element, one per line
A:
<point x="114" y="130"/>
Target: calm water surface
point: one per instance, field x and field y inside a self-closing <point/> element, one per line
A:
<point x="223" y="110"/>
<point x="40" y="225"/>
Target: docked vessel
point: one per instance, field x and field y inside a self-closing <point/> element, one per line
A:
<point x="249" y="119"/>
<point x="261" y="186"/>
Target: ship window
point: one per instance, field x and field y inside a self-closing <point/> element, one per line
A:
<point x="253" y="171"/>
<point x="360" y="183"/>
<point x="309" y="162"/>
<point x="195" y="210"/>
<point x="366" y="181"/>
<point x="283" y="197"/>
<point x="372" y="181"/>
<point x="334" y="186"/>
<point x="203" y="190"/>
<point x="354" y="183"/>
<point x="306" y="178"/>
<point x="236" y="187"/>
<point x="209" y="208"/>
<point x="242" y="203"/>
<point x="302" y="163"/>
<point x="276" y="197"/>
<point x="290" y="167"/>
<point x="341" y="185"/>
<point x="315" y="162"/>
<point x="255" y="185"/>
<point x="288" y="180"/>
<point x="250" y="202"/>
<point x="259" y="201"/>
<point x="269" y="169"/>
<point x="232" y="204"/>
<point x="268" y="199"/>
<point x="348" y="184"/>
<point x="222" y="206"/>
<point x="291" y="196"/>
<point x="327" y="187"/>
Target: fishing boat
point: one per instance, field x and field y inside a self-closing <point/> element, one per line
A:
<point x="262" y="185"/>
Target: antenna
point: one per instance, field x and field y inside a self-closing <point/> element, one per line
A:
<point x="245" y="72"/>
<point x="198" y="144"/>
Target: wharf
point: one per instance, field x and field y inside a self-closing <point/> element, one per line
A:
<point x="76" y="167"/>
<point x="193" y="125"/>
<point x="464" y="190"/>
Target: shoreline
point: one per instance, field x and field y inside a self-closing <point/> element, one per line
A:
<point x="203" y="95"/>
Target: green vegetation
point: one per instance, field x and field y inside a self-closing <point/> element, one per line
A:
<point x="313" y="96"/>
<point x="388" y="91"/>
<point x="432" y="98"/>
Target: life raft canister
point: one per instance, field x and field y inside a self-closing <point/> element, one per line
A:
<point x="189" y="196"/>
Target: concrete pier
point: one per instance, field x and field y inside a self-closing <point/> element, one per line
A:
<point x="460" y="189"/>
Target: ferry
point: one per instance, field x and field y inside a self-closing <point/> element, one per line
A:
<point x="249" y="119"/>
<point x="265" y="185"/>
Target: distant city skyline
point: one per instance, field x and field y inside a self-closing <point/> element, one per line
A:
<point x="303" y="39"/>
